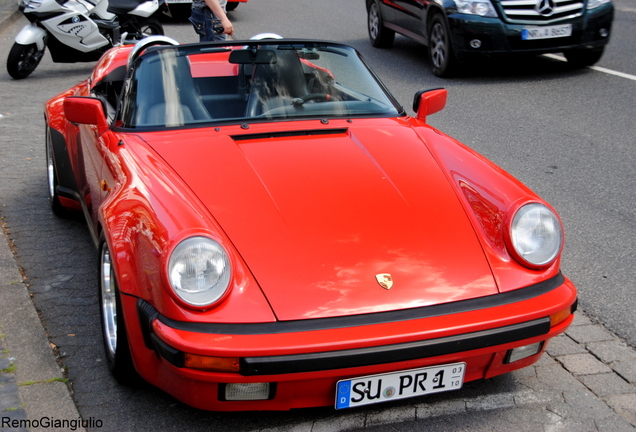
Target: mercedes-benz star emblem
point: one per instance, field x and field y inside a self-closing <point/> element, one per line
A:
<point x="385" y="280"/>
<point x="545" y="7"/>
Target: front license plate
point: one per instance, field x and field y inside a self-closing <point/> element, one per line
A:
<point x="550" y="32"/>
<point x="399" y="385"/>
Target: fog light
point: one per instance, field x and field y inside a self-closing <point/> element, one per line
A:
<point x="475" y="43"/>
<point x="247" y="391"/>
<point x="603" y="32"/>
<point x="523" y="352"/>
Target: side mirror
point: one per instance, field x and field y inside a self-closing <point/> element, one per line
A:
<point x="427" y="102"/>
<point x="86" y="110"/>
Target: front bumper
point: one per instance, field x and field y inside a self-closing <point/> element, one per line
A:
<point x="303" y="360"/>
<point x="589" y="31"/>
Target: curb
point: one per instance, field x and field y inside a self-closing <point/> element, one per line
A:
<point x="33" y="390"/>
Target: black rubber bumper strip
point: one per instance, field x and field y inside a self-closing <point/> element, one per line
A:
<point x="274" y="365"/>
<point x="329" y="360"/>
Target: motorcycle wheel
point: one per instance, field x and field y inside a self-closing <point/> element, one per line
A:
<point x="23" y="59"/>
<point x="151" y="27"/>
<point x="143" y="27"/>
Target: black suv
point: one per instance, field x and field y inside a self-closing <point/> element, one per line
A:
<point x="455" y="30"/>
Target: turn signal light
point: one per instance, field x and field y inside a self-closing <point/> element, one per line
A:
<point x="559" y="317"/>
<point x="211" y="364"/>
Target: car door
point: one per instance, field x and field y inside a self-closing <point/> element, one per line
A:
<point x="90" y="149"/>
<point x="412" y="15"/>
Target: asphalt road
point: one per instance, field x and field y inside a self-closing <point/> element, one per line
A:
<point x="568" y="134"/>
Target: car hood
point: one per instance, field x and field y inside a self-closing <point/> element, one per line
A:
<point x="320" y="216"/>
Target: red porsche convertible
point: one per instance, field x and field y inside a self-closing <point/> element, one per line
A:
<point x="276" y="232"/>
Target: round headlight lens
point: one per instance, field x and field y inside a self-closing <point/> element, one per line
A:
<point x="199" y="271"/>
<point x="536" y="234"/>
<point x="476" y="7"/>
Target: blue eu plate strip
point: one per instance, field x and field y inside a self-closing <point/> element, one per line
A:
<point x="343" y="394"/>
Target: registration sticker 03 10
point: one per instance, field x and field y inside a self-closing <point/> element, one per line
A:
<point x="399" y="385"/>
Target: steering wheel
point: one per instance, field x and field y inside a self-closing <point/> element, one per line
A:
<point x="318" y="97"/>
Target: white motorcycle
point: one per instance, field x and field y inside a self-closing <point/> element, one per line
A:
<point x="79" y="30"/>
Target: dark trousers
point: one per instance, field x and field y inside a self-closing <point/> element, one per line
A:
<point x="204" y="22"/>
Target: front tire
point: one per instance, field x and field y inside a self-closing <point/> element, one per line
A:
<point x="580" y="58"/>
<point x="380" y="36"/>
<point x="151" y="27"/>
<point x="439" y="48"/>
<point x="230" y="6"/>
<point x="139" y="28"/>
<point x="23" y="59"/>
<point x="113" y="323"/>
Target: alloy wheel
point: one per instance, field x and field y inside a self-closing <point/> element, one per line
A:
<point x="109" y="303"/>
<point x="50" y="168"/>
<point x="439" y="50"/>
<point x="374" y="21"/>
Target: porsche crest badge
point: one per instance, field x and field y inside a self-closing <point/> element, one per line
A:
<point x="385" y="280"/>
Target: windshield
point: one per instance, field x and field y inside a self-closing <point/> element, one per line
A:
<point x="190" y="84"/>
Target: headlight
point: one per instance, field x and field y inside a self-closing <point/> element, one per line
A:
<point x="199" y="271"/>
<point x="536" y="234"/>
<point x="477" y="7"/>
<point x="592" y="4"/>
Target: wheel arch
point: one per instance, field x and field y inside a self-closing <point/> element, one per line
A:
<point x="433" y="10"/>
<point x="67" y="185"/>
<point x="32" y="34"/>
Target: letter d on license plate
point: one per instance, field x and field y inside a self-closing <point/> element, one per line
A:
<point x="399" y="385"/>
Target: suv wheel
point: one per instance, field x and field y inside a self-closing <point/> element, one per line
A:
<point x="579" y="58"/>
<point x="381" y="37"/>
<point x="439" y="47"/>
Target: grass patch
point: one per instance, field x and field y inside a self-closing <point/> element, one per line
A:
<point x="10" y="369"/>
<point x="50" y="380"/>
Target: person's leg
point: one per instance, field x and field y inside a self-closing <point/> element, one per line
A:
<point x="198" y="20"/>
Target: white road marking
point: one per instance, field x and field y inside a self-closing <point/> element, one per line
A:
<point x="597" y="68"/>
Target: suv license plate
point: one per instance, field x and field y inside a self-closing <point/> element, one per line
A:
<point x="399" y="385"/>
<point x="550" y="32"/>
